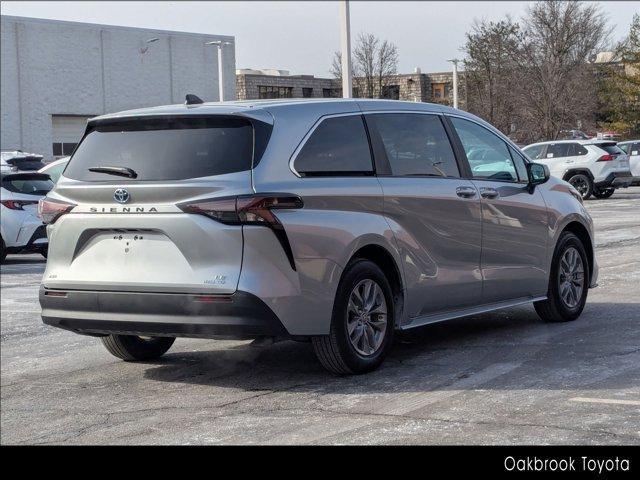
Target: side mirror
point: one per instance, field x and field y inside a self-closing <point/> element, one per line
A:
<point x="538" y="174"/>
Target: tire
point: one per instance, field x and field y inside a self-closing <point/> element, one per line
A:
<point x="336" y="351"/>
<point x="3" y="251"/>
<point x="44" y="252"/>
<point x="583" y="184"/>
<point x="555" y="308"/>
<point x="131" y="348"/>
<point x="604" y="193"/>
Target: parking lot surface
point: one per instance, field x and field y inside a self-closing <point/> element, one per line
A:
<point x="498" y="378"/>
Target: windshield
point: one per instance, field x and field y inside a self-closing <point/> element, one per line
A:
<point x="164" y="149"/>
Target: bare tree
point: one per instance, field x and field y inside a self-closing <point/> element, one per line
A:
<point x="537" y="74"/>
<point x="374" y="60"/>
<point x="489" y="65"/>
<point x="555" y="81"/>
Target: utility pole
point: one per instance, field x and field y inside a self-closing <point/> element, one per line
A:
<point x="220" y="44"/>
<point x="345" y="48"/>
<point x="455" y="81"/>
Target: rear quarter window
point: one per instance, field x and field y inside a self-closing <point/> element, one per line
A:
<point x="338" y="146"/>
<point x="165" y="149"/>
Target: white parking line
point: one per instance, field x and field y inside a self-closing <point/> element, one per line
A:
<point x="605" y="400"/>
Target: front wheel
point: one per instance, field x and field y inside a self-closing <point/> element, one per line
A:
<point x="604" y="193"/>
<point x="582" y="184"/>
<point x="568" y="282"/>
<point x="131" y="347"/>
<point x="362" y="323"/>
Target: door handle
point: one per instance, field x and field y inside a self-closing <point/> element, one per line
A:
<point x="466" y="192"/>
<point x="487" y="192"/>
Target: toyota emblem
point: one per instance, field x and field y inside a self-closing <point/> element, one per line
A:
<point x="121" y="195"/>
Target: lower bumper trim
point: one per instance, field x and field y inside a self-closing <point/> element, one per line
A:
<point x="156" y="314"/>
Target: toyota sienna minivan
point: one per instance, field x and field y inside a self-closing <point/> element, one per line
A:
<point x="337" y="222"/>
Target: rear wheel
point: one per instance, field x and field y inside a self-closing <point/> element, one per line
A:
<point x="3" y="250"/>
<point x="132" y="347"/>
<point x="568" y="282"/>
<point x="362" y="323"/>
<point x="604" y="193"/>
<point x="582" y="184"/>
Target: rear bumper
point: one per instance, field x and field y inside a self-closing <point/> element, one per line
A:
<point x="159" y="314"/>
<point x="616" y="180"/>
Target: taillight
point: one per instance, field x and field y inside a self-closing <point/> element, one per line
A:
<point x="50" y="210"/>
<point x="244" y="210"/>
<point x="606" y="158"/>
<point x="249" y="210"/>
<point x="17" y="204"/>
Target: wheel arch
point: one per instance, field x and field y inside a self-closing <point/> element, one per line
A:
<point x="573" y="171"/>
<point x="384" y="259"/>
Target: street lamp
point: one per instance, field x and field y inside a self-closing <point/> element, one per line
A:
<point x="455" y="62"/>
<point x="219" y="44"/>
<point x="345" y="47"/>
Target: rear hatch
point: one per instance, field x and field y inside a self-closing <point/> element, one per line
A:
<point x="127" y="179"/>
<point x="616" y="159"/>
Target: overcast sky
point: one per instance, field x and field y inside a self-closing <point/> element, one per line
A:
<point x="302" y="36"/>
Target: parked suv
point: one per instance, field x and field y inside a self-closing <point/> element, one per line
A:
<point x="337" y="222"/>
<point x="593" y="167"/>
<point x="632" y="148"/>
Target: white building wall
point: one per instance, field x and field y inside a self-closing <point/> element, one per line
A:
<point x="67" y="68"/>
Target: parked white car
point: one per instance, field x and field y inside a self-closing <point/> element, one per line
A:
<point x="632" y="148"/>
<point x="55" y="168"/>
<point x="21" y="231"/>
<point x="593" y="167"/>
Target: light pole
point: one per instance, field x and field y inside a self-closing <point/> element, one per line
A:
<point x="345" y="48"/>
<point x="455" y="62"/>
<point x="219" y="44"/>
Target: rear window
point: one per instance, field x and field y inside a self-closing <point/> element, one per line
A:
<point x="28" y="185"/>
<point x="610" y="148"/>
<point x="165" y="149"/>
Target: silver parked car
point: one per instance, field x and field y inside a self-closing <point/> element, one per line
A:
<point x="337" y="222"/>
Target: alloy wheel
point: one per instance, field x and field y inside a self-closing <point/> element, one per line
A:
<point x="571" y="277"/>
<point x="367" y="317"/>
<point x="581" y="185"/>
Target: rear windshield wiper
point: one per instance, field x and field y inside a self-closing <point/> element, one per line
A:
<point x="122" y="171"/>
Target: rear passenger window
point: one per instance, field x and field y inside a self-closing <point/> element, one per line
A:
<point x="416" y="144"/>
<point x="577" y="150"/>
<point x="558" y="150"/>
<point x="487" y="153"/>
<point x="338" y="146"/>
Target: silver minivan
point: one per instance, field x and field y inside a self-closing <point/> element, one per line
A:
<point x="336" y="222"/>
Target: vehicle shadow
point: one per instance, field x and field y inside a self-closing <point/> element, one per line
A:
<point x="32" y="259"/>
<point x="511" y="349"/>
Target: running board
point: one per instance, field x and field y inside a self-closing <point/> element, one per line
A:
<point x="465" y="312"/>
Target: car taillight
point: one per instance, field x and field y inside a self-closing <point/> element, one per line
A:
<point x="606" y="158"/>
<point x="249" y="210"/>
<point x="244" y="210"/>
<point x="50" y="210"/>
<point x="17" y="204"/>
